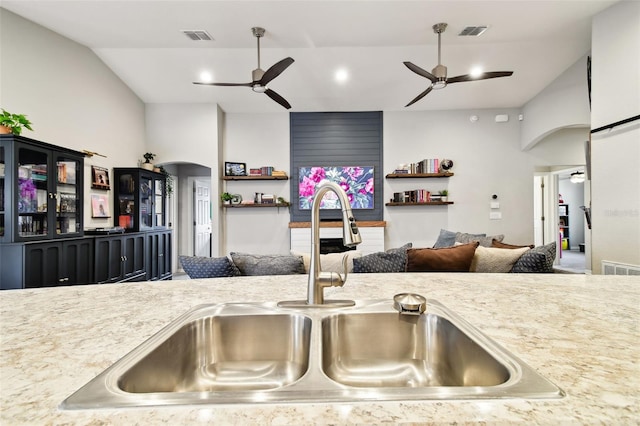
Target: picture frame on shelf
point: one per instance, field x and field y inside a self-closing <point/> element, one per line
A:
<point x="100" y="178"/>
<point x="235" y="169"/>
<point x="99" y="206"/>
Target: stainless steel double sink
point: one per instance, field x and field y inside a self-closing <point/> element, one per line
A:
<point x="261" y="353"/>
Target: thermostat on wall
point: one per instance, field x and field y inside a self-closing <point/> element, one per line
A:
<point x="501" y="118"/>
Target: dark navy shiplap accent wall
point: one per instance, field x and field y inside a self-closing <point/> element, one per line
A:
<point x="336" y="139"/>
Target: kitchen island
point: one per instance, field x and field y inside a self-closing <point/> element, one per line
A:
<point x="579" y="331"/>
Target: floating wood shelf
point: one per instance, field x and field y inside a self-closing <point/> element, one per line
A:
<point x="432" y="203"/>
<point x="226" y="206"/>
<point x="418" y="175"/>
<point x="255" y="177"/>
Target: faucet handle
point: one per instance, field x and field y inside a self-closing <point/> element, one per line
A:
<point x="345" y="268"/>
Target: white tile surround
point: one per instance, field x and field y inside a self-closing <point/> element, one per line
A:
<point x="579" y="331"/>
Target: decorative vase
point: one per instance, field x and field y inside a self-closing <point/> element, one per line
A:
<point x="444" y="198"/>
<point x="156" y="169"/>
<point x="147" y="166"/>
<point x="4" y="130"/>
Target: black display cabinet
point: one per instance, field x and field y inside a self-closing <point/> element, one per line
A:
<point x="139" y="199"/>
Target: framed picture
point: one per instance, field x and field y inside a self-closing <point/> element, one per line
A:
<point x="99" y="206"/>
<point x="235" y="169"/>
<point x="562" y="210"/>
<point x="67" y="202"/>
<point x="100" y="178"/>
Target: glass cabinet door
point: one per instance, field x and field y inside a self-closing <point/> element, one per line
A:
<point x="68" y="209"/>
<point x="126" y="202"/>
<point x="146" y="202"/>
<point x="158" y="191"/>
<point x="3" y="209"/>
<point x="33" y="192"/>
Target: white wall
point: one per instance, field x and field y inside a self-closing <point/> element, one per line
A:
<point x="257" y="140"/>
<point x="73" y="99"/>
<point x="487" y="160"/>
<point x="187" y="134"/>
<point x="563" y="103"/>
<point x="615" y="185"/>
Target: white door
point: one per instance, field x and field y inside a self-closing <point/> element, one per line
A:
<point x="202" y="218"/>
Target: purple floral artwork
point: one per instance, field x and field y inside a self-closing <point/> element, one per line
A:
<point x="357" y="182"/>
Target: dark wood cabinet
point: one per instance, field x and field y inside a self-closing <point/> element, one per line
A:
<point x="120" y="258"/>
<point x="158" y="249"/>
<point x="59" y="263"/>
<point x="139" y="199"/>
<point x="41" y="192"/>
<point x="47" y="264"/>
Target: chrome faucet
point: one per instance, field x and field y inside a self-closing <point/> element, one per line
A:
<point x="318" y="280"/>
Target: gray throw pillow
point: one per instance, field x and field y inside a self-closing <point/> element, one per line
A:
<point x="464" y="238"/>
<point x="263" y="264"/>
<point x="538" y="260"/>
<point x="445" y="239"/>
<point x="392" y="260"/>
<point x="208" y="267"/>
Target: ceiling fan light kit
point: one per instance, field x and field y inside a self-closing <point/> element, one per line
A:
<point x="259" y="77"/>
<point x="438" y="76"/>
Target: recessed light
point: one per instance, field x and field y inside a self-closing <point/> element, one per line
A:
<point x="342" y="75"/>
<point x="476" y="71"/>
<point x="206" y="77"/>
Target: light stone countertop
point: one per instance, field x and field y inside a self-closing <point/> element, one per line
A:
<point x="581" y="332"/>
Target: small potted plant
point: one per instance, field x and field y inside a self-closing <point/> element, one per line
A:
<point x="444" y="195"/>
<point x="226" y="197"/>
<point x="13" y="123"/>
<point x="148" y="158"/>
<point x="168" y="181"/>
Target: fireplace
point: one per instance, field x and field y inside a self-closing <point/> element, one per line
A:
<point x="333" y="245"/>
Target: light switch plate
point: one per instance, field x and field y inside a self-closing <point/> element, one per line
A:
<point x="495" y="204"/>
<point x="495" y="215"/>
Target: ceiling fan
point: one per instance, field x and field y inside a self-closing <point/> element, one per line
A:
<point x="438" y="75"/>
<point x="261" y="78"/>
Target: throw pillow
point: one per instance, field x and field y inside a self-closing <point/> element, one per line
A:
<point x="485" y="241"/>
<point x="331" y="262"/>
<point x="537" y="260"/>
<point x="392" y="260"/>
<point x="445" y="239"/>
<point x="447" y="259"/>
<point x="262" y="264"/>
<point x="495" y="260"/>
<point x="499" y="244"/>
<point x="208" y="267"/>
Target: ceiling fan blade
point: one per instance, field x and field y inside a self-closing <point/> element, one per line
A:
<point x="279" y="99"/>
<point x="275" y="71"/>
<point x="420" y="96"/>
<point x="420" y="71"/>
<point x="223" y="84"/>
<point x="483" y="76"/>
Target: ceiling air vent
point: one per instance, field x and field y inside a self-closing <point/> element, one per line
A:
<point x="473" y="31"/>
<point x="198" y="35"/>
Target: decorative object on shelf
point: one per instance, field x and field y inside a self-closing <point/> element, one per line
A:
<point x="282" y="201"/>
<point x="446" y="165"/>
<point x="235" y="169"/>
<point x="13" y="123"/>
<point x="236" y="199"/>
<point x="100" y="178"/>
<point x="226" y="197"/>
<point x="99" y="206"/>
<point x="444" y="195"/>
<point x="148" y="157"/>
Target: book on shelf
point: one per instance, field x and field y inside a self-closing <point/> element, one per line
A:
<point x="414" y="196"/>
<point x="255" y="172"/>
<point x="266" y="170"/>
<point x="278" y="173"/>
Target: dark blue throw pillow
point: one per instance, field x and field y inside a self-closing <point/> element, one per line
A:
<point x="208" y="267"/>
<point x="537" y="260"/>
<point x="392" y="260"/>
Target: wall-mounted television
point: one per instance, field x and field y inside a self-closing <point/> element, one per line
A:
<point x="357" y="181"/>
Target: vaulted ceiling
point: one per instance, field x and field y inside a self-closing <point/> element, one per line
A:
<point x="143" y="43"/>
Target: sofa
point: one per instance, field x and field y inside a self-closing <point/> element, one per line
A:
<point x="452" y="252"/>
